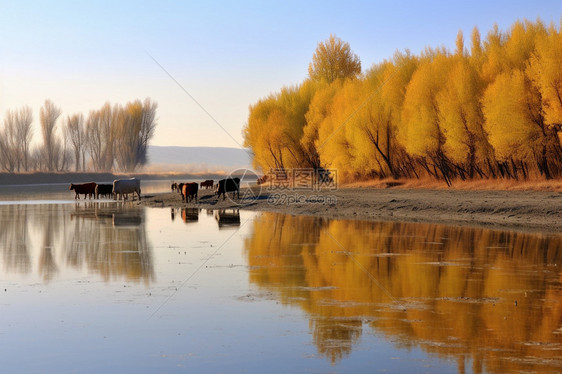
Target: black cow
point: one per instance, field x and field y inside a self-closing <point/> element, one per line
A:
<point x="104" y="190"/>
<point x="228" y="185"/>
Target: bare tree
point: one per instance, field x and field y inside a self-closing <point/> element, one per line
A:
<point x="135" y="126"/>
<point x="24" y="134"/>
<point x="76" y="135"/>
<point x="127" y="131"/>
<point x="94" y="139"/>
<point x="108" y="117"/>
<point x="8" y="142"/>
<point x="63" y="158"/>
<point x="37" y="160"/>
<point x="148" y="126"/>
<point x="100" y="129"/>
<point x="49" y="114"/>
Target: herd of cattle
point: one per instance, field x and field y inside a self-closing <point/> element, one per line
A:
<point x="189" y="190"/>
<point x="121" y="188"/>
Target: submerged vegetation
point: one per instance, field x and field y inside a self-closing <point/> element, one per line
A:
<point x="492" y="110"/>
<point x="111" y="138"/>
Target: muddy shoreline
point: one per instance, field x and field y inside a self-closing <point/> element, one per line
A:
<point x="535" y="211"/>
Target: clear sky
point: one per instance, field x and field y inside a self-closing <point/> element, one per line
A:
<point x="225" y="54"/>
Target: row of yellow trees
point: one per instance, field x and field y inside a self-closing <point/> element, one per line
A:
<point x="491" y="110"/>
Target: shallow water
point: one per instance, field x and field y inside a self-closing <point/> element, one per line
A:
<point x="111" y="287"/>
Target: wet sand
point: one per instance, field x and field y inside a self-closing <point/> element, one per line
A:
<point x="536" y="211"/>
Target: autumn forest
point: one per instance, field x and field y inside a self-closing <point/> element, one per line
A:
<point x="492" y="108"/>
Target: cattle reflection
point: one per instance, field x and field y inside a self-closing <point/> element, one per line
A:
<point x="190" y="215"/>
<point x="108" y="238"/>
<point x="126" y="219"/>
<point x="227" y="218"/>
<point x="451" y="291"/>
<point x="109" y="213"/>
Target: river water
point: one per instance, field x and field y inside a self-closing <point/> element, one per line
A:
<point x="112" y="287"/>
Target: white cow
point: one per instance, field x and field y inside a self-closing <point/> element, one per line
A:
<point x="126" y="186"/>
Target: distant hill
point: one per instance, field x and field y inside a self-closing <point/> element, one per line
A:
<point x="197" y="159"/>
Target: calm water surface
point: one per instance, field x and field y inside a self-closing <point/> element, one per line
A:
<point x="109" y="287"/>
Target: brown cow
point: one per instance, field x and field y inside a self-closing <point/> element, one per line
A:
<point x="84" y="188"/>
<point x="207" y="184"/>
<point x="189" y="191"/>
<point x="179" y="187"/>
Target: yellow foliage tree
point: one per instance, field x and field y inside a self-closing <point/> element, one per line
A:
<point x="545" y="69"/>
<point x="520" y="42"/>
<point x="333" y="145"/>
<point x="421" y="130"/>
<point x="320" y="107"/>
<point x="333" y="59"/>
<point x="275" y="128"/>
<point x="514" y="121"/>
<point x="396" y="78"/>
<point x="461" y="118"/>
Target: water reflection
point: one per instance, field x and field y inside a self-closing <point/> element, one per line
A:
<point x="14" y="239"/>
<point x="228" y="218"/>
<point x="491" y="300"/>
<point x="190" y="215"/>
<point x="106" y="238"/>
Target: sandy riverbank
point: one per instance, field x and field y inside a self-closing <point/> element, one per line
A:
<point x="539" y="211"/>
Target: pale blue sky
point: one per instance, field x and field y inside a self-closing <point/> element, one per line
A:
<point x="226" y="54"/>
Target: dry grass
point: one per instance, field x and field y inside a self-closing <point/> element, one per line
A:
<point x="475" y="185"/>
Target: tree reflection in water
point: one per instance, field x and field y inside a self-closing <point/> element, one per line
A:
<point x="111" y="239"/>
<point x="14" y="239"/>
<point x="107" y="238"/>
<point x="490" y="299"/>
